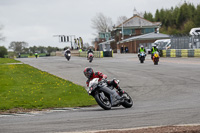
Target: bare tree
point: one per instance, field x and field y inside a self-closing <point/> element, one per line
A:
<point x="121" y="19"/>
<point x="18" y="46"/>
<point x="86" y="45"/>
<point x="102" y="23"/>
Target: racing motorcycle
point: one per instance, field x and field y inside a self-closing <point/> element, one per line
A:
<point x="67" y="56"/>
<point x="156" y="58"/>
<point x="141" y="56"/>
<point x="90" y="57"/>
<point x="106" y="96"/>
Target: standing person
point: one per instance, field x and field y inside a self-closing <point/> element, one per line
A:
<point x="122" y="49"/>
<point x="36" y="54"/>
<point x="19" y="55"/>
<point x="126" y="49"/>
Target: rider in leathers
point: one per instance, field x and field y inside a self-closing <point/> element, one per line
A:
<point x="67" y="51"/>
<point x="89" y="51"/>
<point x="90" y="74"/>
<point x="153" y="50"/>
<point x="141" y="49"/>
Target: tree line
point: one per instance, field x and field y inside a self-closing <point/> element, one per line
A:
<point x="178" y="20"/>
<point x="22" y="48"/>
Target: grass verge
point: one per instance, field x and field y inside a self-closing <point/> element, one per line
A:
<point x="25" y="87"/>
<point x="8" y="60"/>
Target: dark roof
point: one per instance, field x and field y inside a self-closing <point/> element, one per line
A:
<point x="149" y="36"/>
<point x="137" y="21"/>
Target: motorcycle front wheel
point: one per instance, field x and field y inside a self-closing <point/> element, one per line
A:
<point x="103" y="102"/>
<point x="128" y="102"/>
<point x="90" y="59"/>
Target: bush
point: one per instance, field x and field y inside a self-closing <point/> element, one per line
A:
<point x="5" y="56"/>
<point x="11" y="55"/>
<point x="3" y="51"/>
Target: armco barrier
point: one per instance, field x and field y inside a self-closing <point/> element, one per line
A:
<point x="181" y="53"/>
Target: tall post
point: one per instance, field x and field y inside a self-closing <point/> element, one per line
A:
<point x="122" y="31"/>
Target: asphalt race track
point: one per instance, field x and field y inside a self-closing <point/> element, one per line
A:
<point x="163" y="94"/>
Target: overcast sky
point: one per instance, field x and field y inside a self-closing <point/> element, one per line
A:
<point x="36" y="21"/>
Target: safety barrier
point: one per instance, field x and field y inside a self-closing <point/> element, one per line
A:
<point x="173" y="53"/>
<point x="197" y="53"/>
<point x="107" y="53"/>
<point x="184" y="52"/>
<point x="97" y="54"/>
<point x="181" y="53"/>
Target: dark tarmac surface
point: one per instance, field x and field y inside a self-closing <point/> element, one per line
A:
<point x="163" y="94"/>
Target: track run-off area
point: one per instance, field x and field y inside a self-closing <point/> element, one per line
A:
<point x="164" y="94"/>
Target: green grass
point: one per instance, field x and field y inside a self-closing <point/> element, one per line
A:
<point x="22" y="86"/>
<point x="8" y="60"/>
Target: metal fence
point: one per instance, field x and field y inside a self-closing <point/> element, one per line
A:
<point x="185" y="42"/>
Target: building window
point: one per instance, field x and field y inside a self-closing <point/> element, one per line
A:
<point x="127" y="31"/>
<point x="101" y="35"/>
<point x="147" y="30"/>
<point x="133" y="32"/>
<point x="106" y="35"/>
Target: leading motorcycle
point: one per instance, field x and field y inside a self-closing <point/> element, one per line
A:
<point x="156" y="58"/>
<point x="141" y="56"/>
<point x="106" y="96"/>
<point x="67" y="56"/>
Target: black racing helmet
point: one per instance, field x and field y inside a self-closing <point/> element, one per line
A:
<point x="88" y="72"/>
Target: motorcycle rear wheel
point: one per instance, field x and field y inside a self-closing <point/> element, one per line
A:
<point x="156" y="63"/>
<point x="104" y="104"/>
<point x="128" y="102"/>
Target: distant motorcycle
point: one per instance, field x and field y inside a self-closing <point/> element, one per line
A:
<point x="141" y="56"/>
<point x="105" y="95"/>
<point x="90" y="57"/>
<point x="67" y="56"/>
<point x="156" y="58"/>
